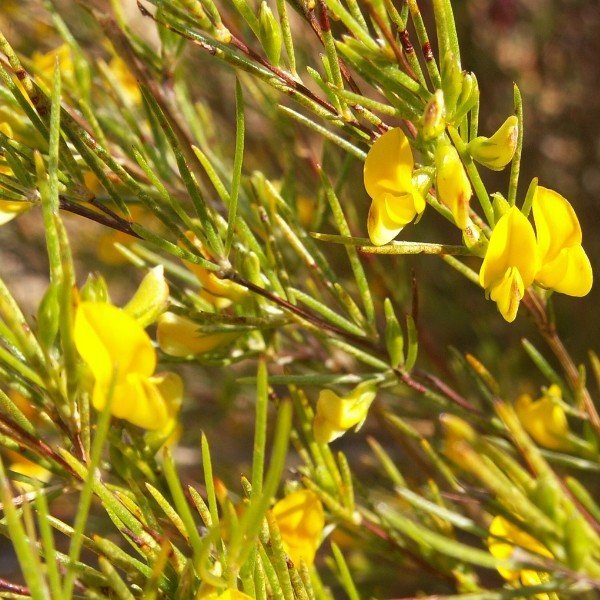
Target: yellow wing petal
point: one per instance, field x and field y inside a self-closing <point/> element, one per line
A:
<point x="569" y="273"/>
<point x="556" y="223"/>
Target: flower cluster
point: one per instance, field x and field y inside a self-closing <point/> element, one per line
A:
<point x="517" y="256"/>
<point x="554" y="258"/>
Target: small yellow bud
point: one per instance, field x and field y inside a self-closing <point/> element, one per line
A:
<point x="498" y="150"/>
<point x="178" y="336"/>
<point x="452" y="184"/>
<point x="301" y="520"/>
<point x="336" y="414"/>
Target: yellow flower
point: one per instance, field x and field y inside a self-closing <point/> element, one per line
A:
<point x="544" y="419"/>
<point x="125" y="79"/>
<point x="497" y="151"/>
<point x="301" y="520"/>
<point x="452" y="184"/>
<point x="511" y="262"/>
<point x="504" y="536"/>
<point x="44" y="62"/>
<point x="388" y="174"/>
<point x="565" y="266"/>
<point x="178" y="336"/>
<point x="113" y="343"/>
<point x="335" y="414"/>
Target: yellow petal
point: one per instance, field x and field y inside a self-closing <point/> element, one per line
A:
<point x="569" y="273"/>
<point x="219" y="292"/>
<point x="107" y="338"/>
<point x="335" y="414"/>
<point x="125" y="79"/>
<point x="301" y="519"/>
<point x="504" y="536"/>
<point x="390" y="213"/>
<point x="178" y="336"/>
<point x="136" y="399"/>
<point x="389" y="164"/>
<point x="507" y="294"/>
<point x="556" y="223"/>
<point x="544" y="420"/>
<point x="9" y="209"/>
<point x="233" y="595"/>
<point x="44" y="63"/>
<point x="452" y="184"/>
<point x="498" y="150"/>
<point x="150" y="299"/>
<point x="512" y="244"/>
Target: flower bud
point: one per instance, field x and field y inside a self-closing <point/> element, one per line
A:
<point x="94" y="289"/>
<point x="577" y="541"/>
<point x="394" y="339"/>
<point x="467" y="98"/>
<point x="434" y="115"/>
<point x="452" y="184"/>
<point x="498" y="150"/>
<point x="181" y="337"/>
<point x="48" y="315"/>
<point x="270" y="33"/>
<point x="500" y="205"/>
<point x="452" y="81"/>
<point x="337" y="414"/>
<point x="150" y="299"/>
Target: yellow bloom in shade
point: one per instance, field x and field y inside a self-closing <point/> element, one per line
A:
<point x="498" y="150"/>
<point x="544" y="419"/>
<point x="9" y="209"/>
<point x="511" y="262"/>
<point x="23" y="466"/>
<point x="388" y="177"/>
<point x="565" y="266"/>
<point x="335" y="414"/>
<point x="114" y="344"/>
<point x="44" y="62"/>
<point x="221" y="293"/>
<point x="452" y="184"/>
<point x="504" y="536"/>
<point x="126" y="79"/>
<point x="178" y="336"/>
<point x="301" y="520"/>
